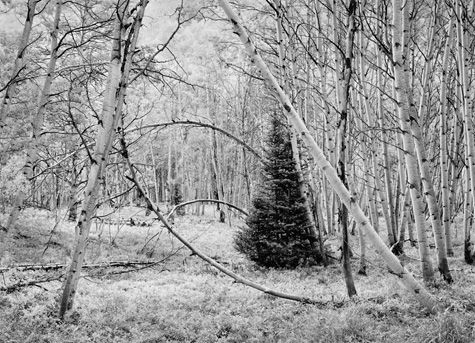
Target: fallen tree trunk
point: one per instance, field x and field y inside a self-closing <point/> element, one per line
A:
<point x="56" y="266"/>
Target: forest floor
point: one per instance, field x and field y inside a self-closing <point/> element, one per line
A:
<point x="182" y="299"/>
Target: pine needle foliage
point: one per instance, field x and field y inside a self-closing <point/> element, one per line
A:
<point x="277" y="227"/>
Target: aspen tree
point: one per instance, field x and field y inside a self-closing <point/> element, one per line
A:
<point x="462" y="23"/>
<point x="374" y="149"/>
<point x="467" y="216"/>
<point x="443" y="128"/>
<point x="117" y="81"/>
<point x="369" y="193"/>
<point x="343" y="98"/>
<point x="328" y="140"/>
<point x="330" y="173"/>
<point x="415" y="124"/>
<point x="364" y="144"/>
<point x="400" y="43"/>
<point x="293" y="133"/>
<point x="38" y="119"/>
<point x="18" y="64"/>
<point x="387" y="206"/>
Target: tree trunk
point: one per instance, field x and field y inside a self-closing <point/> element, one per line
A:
<point x="462" y="28"/>
<point x="400" y="46"/>
<point x="444" y="163"/>
<point x="117" y="81"/>
<point x="343" y="89"/>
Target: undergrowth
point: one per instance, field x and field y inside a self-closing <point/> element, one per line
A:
<point x="182" y="299"/>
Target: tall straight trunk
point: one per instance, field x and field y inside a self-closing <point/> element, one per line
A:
<point x="467" y="215"/>
<point x="385" y="208"/>
<point x="330" y="173"/>
<point x="401" y="83"/>
<point x="391" y="215"/>
<point x="73" y="196"/>
<point x="405" y="216"/>
<point x="454" y="174"/>
<point x="343" y="89"/>
<point x="18" y="64"/>
<point x="367" y="174"/>
<point x="170" y="170"/>
<point x="328" y="139"/>
<point x="155" y="178"/>
<point x="117" y="81"/>
<point x="464" y="66"/>
<point x="444" y="163"/>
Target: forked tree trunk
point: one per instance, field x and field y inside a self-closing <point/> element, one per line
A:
<point x="330" y="173"/>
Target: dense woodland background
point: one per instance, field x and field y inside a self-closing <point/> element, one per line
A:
<point x="114" y="112"/>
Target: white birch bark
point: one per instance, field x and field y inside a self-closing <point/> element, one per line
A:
<point x="330" y="173"/>
<point x="444" y="166"/>
<point x="328" y="140"/>
<point x="464" y="66"/>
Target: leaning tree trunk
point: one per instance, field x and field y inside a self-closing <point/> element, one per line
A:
<point x="119" y="70"/>
<point x="406" y="278"/>
<point x="38" y="121"/>
<point x="18" y="64"/>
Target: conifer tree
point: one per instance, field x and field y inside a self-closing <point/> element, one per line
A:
<point x="278" y="231"/>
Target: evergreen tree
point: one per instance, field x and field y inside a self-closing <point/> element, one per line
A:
<point x="277" y="232"/>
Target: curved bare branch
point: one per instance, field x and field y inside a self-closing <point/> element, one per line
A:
<point x="198" y="123"/>
<point x="205" y="200"/>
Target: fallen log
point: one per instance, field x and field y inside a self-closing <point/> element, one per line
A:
<point x="56" y="266"/>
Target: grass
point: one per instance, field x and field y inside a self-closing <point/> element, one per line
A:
<point x="183" y="299"/>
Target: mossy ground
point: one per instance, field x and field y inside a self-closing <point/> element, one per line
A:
<point x="182" y="299"/>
